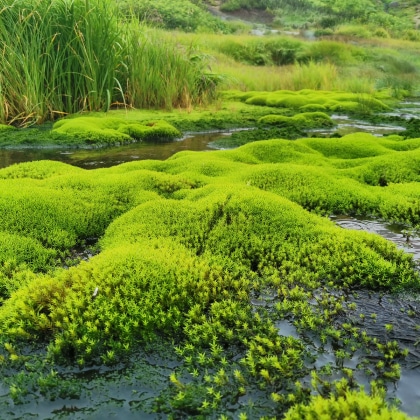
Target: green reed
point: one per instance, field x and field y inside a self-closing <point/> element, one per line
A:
<point x="163" y="74"/>
<point x="63" y="56"/>
<point x="58" y="57"/>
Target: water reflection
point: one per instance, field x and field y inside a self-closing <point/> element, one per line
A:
<point x="392" y="231"/>
<point x="109" y="156"/>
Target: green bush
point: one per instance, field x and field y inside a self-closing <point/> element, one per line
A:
<point x="277" y="51"/>
<point x="182" y="15"/>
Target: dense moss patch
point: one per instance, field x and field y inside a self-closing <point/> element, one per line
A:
<point x="208" y="251"/>
<point x="357" y="404"/>
<point x="92" y="130"/>
<point x="299" y="121"/>
<point x="311" y="100"/>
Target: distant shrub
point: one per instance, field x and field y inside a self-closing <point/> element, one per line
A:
<point x="411" y="35"/>
<point x="357" y="31"/>
<point x="182" y="15"/>
<point x="263" y="51"/>
<point x="381" y="33"/>
<point x="332" y="51"/>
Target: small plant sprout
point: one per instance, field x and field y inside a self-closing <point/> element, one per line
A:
<point x="175" y="381"/>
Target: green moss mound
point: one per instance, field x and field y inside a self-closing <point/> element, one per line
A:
<point x="97" y="131"/>
<point x="5" y="127"/>
<point x="300" y="121"/>
<point x="208" y="251"/>
<point x="311" y="100"/>
<point x="354" y="405"/>
<point x="21" y="249"/>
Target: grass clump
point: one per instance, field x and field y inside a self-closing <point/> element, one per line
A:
<point x="63" y="57"/>
<point x="53" y="60"/>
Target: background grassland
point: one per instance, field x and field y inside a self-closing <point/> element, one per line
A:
<point x="59" y="64"/>
<point x="282" y="62"/>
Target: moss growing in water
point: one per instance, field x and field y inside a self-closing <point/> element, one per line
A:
<point x="93" y="130"/>
<point x="299" y="121"/>
<point x="311" y="100"/>
<point x="355" y="405"/>
<point x="186" y="248"/>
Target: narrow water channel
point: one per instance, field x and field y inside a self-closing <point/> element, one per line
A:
<point x="104" y="157"/>
<point x="108" y="156"/>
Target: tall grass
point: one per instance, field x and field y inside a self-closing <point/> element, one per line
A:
<point x="165" y="74"/>
<point x="57" y="57"/>
<point x="64" y="56"/>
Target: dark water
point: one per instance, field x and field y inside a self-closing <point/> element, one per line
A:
<point x="108" y="156"/>
<point x="394" y="232"/>
<point x="402" y="311"/>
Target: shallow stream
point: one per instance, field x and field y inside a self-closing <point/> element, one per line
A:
<point x="91" y="158"/>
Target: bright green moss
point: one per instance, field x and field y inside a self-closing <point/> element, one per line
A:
<point x="38" y="170"/>
<point x="5" y="127"/>
<point x="350" y="405"/>
<point x="93" y="130"/>
<point x="313" y="108"/>
<point x="302" y="121"/>
<point x="187" y="245"/>
<point x="286" y="101"/>
<point x="21" y="249"/>
<point x="352" y="146"/>
<point x="349" y="106"/>
<point x="258" y="100"/>
<point x="309" y="100"/>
